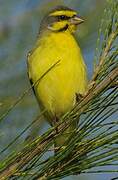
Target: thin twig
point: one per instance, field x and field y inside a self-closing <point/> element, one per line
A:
<point x="104" y="54"/>
<point x="26" y="92"/>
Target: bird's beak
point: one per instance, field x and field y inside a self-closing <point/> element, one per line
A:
<point x="77" y="20"/>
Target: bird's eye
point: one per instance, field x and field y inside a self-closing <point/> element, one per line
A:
<point x="63" y="17"/>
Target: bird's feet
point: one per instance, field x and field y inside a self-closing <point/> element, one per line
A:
<point x="78" y="97"/>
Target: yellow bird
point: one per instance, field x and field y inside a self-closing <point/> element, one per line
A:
<point x="58" y="88"/>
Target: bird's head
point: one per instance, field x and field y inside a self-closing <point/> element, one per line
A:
<point x="61" y="19"/>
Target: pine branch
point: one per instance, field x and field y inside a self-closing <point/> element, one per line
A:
<point x="38" y="148"/>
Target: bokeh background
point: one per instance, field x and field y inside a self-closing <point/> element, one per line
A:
<point x="19" y="26"/>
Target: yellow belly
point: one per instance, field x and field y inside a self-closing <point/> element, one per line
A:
<point x="57" y="89"/>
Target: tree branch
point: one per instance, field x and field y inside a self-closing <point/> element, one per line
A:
<point x="38" y="147"/>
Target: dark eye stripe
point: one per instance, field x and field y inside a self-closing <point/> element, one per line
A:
<point x="63" y="17"/>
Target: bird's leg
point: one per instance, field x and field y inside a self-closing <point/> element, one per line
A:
<point x="55" y="121"/>
<point x="78" y="97"/>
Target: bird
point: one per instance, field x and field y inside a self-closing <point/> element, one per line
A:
<point x="56" y="59"/>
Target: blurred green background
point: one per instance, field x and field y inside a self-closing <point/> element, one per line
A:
<point x="19" y="26"/>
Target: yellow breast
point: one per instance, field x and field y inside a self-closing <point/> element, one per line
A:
<point x="56" y="90"/>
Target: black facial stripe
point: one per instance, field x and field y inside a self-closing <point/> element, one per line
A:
<point x="64" y="28"/>
<point x="73" y="16"/>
